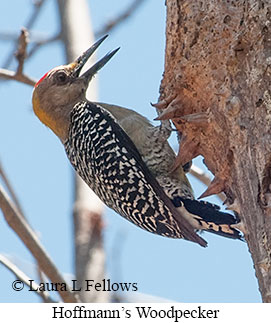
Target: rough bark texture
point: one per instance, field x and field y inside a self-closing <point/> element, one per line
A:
<point x="218" y="56"/>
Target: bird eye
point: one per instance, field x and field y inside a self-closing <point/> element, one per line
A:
<point x="61" y="77"/>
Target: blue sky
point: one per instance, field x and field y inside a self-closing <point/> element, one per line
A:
<point x="40" y="172"/>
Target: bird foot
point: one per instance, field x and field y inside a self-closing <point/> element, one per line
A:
<point x="171" y="110"/>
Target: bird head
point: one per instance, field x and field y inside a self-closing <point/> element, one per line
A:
<point x="56" y="93"/>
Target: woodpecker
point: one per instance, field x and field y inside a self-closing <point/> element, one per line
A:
<point x="102" y="153"/>
<point x="108" y="160"/>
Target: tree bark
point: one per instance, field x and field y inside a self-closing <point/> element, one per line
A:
<point x="216" y="88"/>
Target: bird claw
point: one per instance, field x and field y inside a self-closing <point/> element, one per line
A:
<point x="171" y="110"/>
<point x="161" y="105"/>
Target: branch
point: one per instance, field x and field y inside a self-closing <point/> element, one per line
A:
<point x="25" y="279"/>
<point x="20" y="56"/>
<point x="29" y="238"/>
<point x="36" y="40"/>
<point x="113" y="23"/>
<point x="10" y="75"/>
<point x="40" y="275"/>
<point x="10" y="189"/>
<point x="13" y="195"/>
<point x="35" y="13"/>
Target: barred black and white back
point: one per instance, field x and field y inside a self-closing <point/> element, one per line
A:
<point x="108" y="161"/>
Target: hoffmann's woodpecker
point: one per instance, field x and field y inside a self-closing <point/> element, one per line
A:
<point x="123" y="158"/>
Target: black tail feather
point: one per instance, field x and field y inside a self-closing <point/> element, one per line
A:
<point x="211" y="214"/>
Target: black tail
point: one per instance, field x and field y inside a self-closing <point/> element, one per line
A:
<point x="217" y="222"/>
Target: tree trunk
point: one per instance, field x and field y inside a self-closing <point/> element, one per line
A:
<point x="216" y="90"/>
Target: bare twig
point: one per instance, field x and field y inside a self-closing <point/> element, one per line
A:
<point x="25" y="279"/>
<point x="10" y="189"/>
<point x="35" y="13"/>
<point x="15" y="199"/>
<point x="204" y="178"/>
<point x="10" y="75"/>
<point x="20" y="55"/>
<point x="41" y="276"/>
<point x="29" y="238"/>
<point x="28" y="25"/>
<point x="113" y="23"/>
<point x="36" y="41"/>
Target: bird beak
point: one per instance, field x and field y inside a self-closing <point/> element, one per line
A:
<point x="97" y="66"/>
<point x="82" y="59"/>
